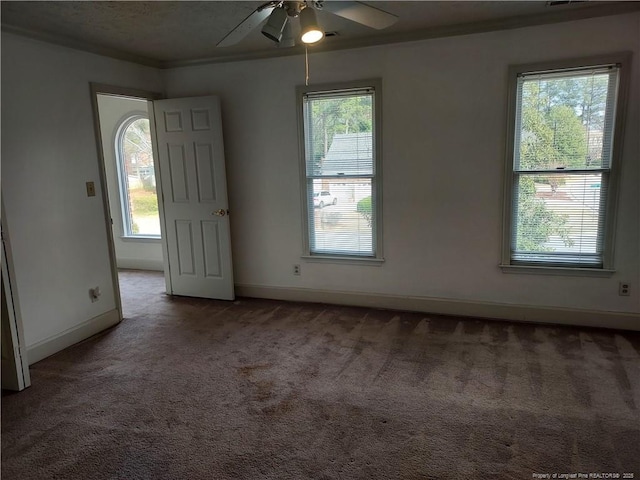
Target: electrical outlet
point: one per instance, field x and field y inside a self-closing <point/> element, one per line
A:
<point x="94" y="294"/>
<point x="91" y="189"/>
<point x="624" y="289"/>
<point x="296" y="269"/>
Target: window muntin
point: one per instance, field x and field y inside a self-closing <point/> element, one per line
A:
<point x="340" y="138"/>
<point x="137" y="179"/>
<point x="561" y="169"/>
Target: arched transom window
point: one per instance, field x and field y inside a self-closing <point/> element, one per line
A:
<point x="137" y="179"/>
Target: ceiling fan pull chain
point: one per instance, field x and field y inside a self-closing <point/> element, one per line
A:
<point x="306" y="66"/>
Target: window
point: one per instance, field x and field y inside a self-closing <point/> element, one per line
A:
<point x="565" y="137"/>
<point x="341" y="167"/>
<point x="137" y="179"/>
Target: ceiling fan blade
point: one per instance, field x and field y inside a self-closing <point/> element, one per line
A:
<point x="361" y="13"/>
<point x="245" y="27"/>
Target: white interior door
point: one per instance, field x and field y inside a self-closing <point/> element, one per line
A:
<point x="15" y="367"/>
<point x="194" y="210"/>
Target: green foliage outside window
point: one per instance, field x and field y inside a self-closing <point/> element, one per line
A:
<point x="536" y="223"/>
<point x="364" y="209"/>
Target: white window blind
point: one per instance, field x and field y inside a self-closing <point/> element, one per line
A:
<point x="340" y="165"/>
<point x="564" y="124"/>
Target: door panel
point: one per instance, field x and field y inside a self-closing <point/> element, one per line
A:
<point x="184" y="237"/>
<point x="206" y="174"/>
<point x="212" y="253"/>
<point x="193" y="178"/>
<point x="178" y="173"/>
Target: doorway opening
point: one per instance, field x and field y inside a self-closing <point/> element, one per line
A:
<point x="129" y="180"/>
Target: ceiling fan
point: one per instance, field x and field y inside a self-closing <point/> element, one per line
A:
<point x="281" y="13"/>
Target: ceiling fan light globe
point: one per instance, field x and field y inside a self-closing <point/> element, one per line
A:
<point x="275" y="25"/>
<point x="310" y="30"/>
<point x="312" y="36"/>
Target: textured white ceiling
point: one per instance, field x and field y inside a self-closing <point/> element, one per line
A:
<point x="169" y="33"/>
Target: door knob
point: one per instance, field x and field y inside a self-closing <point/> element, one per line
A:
<point x="220" y="213"/>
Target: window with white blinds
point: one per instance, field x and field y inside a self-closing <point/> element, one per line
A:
<point x="341" y="167"/>
<point x="562" y="151"/>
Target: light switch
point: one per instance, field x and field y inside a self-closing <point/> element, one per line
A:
<point x="91" y="189"/>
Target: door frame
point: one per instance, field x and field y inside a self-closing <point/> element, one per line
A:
<point x="104" y="89"/>
<point x="13" y="305"/>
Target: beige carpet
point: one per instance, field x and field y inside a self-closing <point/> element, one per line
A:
<point x="254" y="389"/>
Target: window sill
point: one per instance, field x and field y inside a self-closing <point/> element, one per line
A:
<point x="140" y="239"/>
<point x="377" y="262"/>
<point x="563" y="271"/>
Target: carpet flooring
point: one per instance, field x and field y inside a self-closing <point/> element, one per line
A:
<point x="255" y="389"/>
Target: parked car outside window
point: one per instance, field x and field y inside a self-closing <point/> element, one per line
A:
<point x="320" y="199"/>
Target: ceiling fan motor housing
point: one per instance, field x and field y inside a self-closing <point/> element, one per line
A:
<point x="293" y="8"/>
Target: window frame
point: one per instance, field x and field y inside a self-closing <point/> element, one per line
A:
<point x="376" y="179"/>
<point x="123" y="187"/>
<point x="510" y="175"/>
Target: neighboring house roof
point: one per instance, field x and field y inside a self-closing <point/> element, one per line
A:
<point x="349" y="154"/>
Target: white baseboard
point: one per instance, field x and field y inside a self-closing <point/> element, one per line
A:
<point x="140" y="264"/>
<point x="442" y="306"/>
<point x="48" y="347"/>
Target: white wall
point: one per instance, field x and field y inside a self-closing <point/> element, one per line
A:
<point x="444" y="122"/>
<point x="143" y="254"/>
<point x="58" y="234"/>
